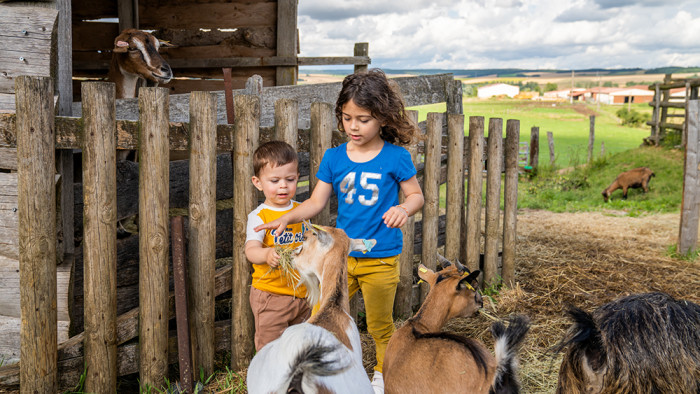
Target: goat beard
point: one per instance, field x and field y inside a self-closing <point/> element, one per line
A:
<point x="313" y="286"/>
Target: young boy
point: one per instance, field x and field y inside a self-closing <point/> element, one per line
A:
<point x="276" y="303"/>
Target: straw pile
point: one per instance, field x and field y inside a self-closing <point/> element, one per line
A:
<point x="581" y="259"/>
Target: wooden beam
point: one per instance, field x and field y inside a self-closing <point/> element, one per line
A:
<point x="334" y="60"/>
<point x="286" y="40"/>
<point x="361" y="50"/>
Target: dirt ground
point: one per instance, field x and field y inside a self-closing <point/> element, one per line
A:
<point x="581" y="259"/>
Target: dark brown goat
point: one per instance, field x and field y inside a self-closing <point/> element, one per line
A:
<point x="634" y="178"/>
<point x="646" y="343"/>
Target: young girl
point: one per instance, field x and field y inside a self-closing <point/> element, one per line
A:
<point x="366" y="173"/>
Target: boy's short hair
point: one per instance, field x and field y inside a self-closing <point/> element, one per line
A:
<point x="274" y="153"/>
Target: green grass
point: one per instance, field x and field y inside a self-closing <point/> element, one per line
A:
<point x="568" y="124"/>
<point x="580" y="189"/>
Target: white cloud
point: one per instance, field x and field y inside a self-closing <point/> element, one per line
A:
<point x="469" y="34"/>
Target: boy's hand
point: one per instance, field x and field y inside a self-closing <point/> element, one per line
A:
<point x="395" y="217"/>
<point x="273" y="259"/>
<point x="277" y="226"/>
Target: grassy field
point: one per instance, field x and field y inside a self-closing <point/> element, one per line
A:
<point x="568" y="123"/>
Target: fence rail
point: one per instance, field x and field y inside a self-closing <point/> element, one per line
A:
<point x="154" y="136"/>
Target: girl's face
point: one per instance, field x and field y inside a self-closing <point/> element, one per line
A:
<point x="361" y="127"/>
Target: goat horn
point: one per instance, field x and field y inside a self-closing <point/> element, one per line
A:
<point x="461" y="268"/>
<point x="443" y="261"/>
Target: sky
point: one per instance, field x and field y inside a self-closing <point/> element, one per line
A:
<point x="527" y="34"/>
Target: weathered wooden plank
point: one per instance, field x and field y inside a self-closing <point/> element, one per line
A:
<point x="510" y="201"/>
<point x="246" y="135"/>
<point x="153" y="234"/>
<point x="36" y="196"/>
<point x="286" y="41"/>
<point x="100" y="237"/>
<point x="26" y="51"/>
<point x="431" y="192"/>
<point x="474" y="189"/>
<point x="361" y="49"/>
<point x="334" y="60"/>
<point x="455" y="185"/>
<point x="95" y="9"/>
<point x="493" y="200"/>
<point x="690" y="206"/>
<point x="416" y="90"/>
<point x="321" y="126"/>
<point x="213" y="16"/>
<point x="202" y="242"/>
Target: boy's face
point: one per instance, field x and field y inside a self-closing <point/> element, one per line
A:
<point x="278" y="184"/>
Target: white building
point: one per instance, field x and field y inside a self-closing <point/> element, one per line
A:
<point x="498" y="89"/>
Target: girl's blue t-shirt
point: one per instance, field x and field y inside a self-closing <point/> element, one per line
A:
<point x="365" y="192"/>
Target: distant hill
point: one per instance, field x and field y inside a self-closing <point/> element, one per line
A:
<point x="517" y="72"/>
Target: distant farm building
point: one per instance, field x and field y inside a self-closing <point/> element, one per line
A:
<point x="632" y="94"/>
<point x="563" y="94"/>
<point x="498" y="89"/>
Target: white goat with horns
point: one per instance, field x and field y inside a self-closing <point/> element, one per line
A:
<point x="324" y="354"/>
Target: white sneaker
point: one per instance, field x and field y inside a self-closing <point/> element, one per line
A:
<point x="378" y="383"/>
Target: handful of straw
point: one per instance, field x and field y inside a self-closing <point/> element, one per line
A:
<point x="286" y="266"/>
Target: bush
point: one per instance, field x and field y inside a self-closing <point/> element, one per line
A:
<point x="632" y="118"/>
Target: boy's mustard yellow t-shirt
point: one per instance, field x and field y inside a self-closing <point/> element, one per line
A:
<point x="264" y="278"/>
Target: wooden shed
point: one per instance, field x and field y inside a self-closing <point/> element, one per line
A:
<point x="249" y="36"/>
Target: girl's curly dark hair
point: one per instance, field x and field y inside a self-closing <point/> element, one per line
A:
<point x="372" y="90"/>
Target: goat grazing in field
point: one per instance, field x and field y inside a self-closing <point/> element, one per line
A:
<point x="422" y="359"/>
<point x="632" y="179"/>
<point x="646" y="343"/>
<point x="135" y="59"/>
<point x="324" y="354"/>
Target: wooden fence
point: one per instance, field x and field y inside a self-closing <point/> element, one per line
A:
<point x="663" y="101"/>
<point x="107" y="348"/>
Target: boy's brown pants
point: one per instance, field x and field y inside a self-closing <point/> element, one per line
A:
<point x="274" y="313"/>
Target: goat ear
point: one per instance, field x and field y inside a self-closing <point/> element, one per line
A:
<point x="426" y="274"/>
<point x="469" y="280"/>
<point x="120" y="46"/>
<point x="362" y="245"/>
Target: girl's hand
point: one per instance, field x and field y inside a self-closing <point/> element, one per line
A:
<point x="273" y="259"/>
<point x="277" y="226"/>
<point x="395" y="217"/>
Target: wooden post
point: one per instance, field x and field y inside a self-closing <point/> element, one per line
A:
<point x="202" y="226"/>
<point x="184" y="354"/>
<point x="534" y="148"/>
<point x="690" y="206"/>
<point x="320" y="140"/>
<point x="361" y="49"/>
<point x="287" y="121"/>
<point x="602" y="148"/>
<point x="403" y="301"/>
<point x="665" y="97"/>
<point x="431" y="192"/>
<point x="473" y="224"/>
<point x="100" y="236"/>
<point x="153" y="235"/>
<point x="455" y="185"/>
<point x="246" y="134"/>
<point x="37" y="234"/>
<point x="510" y="201"/>
<point x="453" y="92"/>
<point x="550" y="140"/>
<point x="655" y="116"/>
<point x="493" y="200"/>
<point x="286" y="40"/>
<point x="128" y="12"/>
<point x="684" y="132"/>
<point x="591" y="138"/>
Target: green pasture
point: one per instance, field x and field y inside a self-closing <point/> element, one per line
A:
<point x="571" y="185"/>
<point x="568" y="123"/>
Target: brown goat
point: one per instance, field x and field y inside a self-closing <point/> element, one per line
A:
<point x="135" y="59"/>
<point x="418" y="353"/>
<point x="646" y="343"/>
<point x="634" y="178"/>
